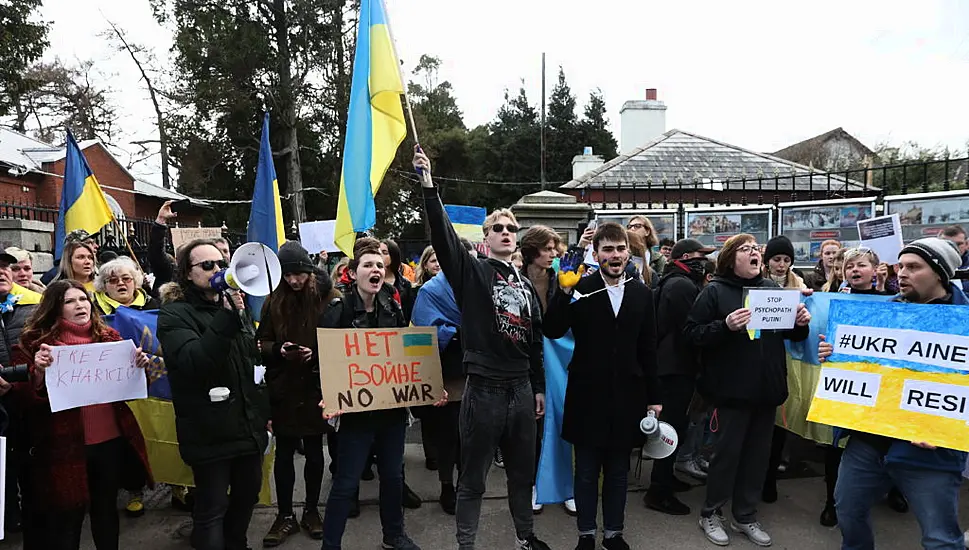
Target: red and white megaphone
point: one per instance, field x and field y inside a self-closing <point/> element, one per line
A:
<point x="661" y="438"/>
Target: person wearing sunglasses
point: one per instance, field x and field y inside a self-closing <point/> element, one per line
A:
<point x="745" y="379"/>
<point x="221" y="414"/>
<point x="501" y="320"/>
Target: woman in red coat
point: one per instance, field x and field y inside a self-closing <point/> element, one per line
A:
<point x="78" y="455"/>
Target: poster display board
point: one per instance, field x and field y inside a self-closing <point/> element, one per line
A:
<point x="713" y="227"/>
<point x="925" y="214"/>
<point x="666" y="222"/>
<point x="808" y="224"/>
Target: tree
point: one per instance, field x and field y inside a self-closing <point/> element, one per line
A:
<point x="22" y="42"/>
<point x="563" y="139"/>
<point x="594" y="128"/>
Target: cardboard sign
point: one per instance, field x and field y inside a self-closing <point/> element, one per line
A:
<point x="898" y="370"/>
<point x="318" y="236"/>
<point x="883" y="235"/>
<point x="381" y="368"/>
<point x="772" y="309"/>
<point x="183" y="235"/>
<point x="91" y="374"/>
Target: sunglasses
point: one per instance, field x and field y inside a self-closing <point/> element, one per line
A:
<point x="500" y="228"/>
<point x="116" y="280"/>
<point x="209" y="265"/>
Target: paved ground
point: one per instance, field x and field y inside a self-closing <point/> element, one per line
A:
<point x="792" y="521"/>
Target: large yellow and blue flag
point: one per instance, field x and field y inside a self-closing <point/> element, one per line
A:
<point x="375" y="124"/>
<point x="83" y="205"/>
<point x="266" y="216"/>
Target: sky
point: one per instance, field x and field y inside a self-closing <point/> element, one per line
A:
<point x="758" y="74"/>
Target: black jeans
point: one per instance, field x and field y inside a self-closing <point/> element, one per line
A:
<point x="284" y="471"/>
<point x="222" y="517"/>
<point x="739" y="461"/>
<point x="614" y="466"/>
<point x="104" y="466"/>
<point x="442" y="423"/>
<point x="677" y="394"/>
<point x="496" y="413"/>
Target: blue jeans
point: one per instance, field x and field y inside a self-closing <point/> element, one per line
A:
<point x="384" y="431"/>
<point x="863" y="478"/>
<point x="614" y="465"/>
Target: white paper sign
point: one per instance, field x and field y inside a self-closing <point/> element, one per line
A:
<point x="772" y="309"/>
<point x="883" y="235"/>
<point x="317" y="236"/>
<point x="90" y="374"/>
<point x="937" y="399"/>
<point x="848" y="386"/>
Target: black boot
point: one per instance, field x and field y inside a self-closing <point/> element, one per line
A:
<point x="355" y="506"/>
<point x="448" y="498"/>
<point x="829" y="516"/>
<point x="410" y="499"/>
<point x="769" y="493"/>
<point x="666" y="503"/>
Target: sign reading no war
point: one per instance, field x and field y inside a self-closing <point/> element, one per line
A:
<point x="898" y="370"/>
<point x="383" y="368"/>
<point x="91" y="374"/>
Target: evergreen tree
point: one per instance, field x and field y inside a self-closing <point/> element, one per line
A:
<point x="594" y="130"/>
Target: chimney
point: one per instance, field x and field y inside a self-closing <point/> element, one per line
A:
<point x="641" y="121"/>
<point x="585" y="163"/>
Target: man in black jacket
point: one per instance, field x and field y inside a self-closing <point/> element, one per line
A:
<point x="678" y="363"/>
<point x="501" y="323"/>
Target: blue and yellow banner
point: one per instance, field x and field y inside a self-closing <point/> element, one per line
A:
<point x="899" y="370"/>
<point x="467" y="221"/>
<point x="83" y="205"/>
<point x="554" y="482"/>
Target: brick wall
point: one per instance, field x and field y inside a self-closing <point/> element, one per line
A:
<point x="12" y="190"/>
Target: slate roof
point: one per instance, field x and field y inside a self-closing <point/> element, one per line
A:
<point x="713" y="164"/>
<point x="803" y="151"/>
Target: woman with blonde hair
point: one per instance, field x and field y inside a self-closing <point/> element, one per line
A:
<point x="119" y="283"/>
<point x="640" y="225"/>
<point x="78" y="263"/>
<point x="428" y="266"/>
<point x="639" y="258"/>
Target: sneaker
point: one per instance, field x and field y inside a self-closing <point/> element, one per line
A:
<point x="499" y="458"/>
<point x="312" y="523"/>
<point x="410" y="499"/>
<point x="829" y="516"/>
<point x="754" y="532"/>
<point x="282" y="528"/>
<point x="615" y="542"/>
<point x="400" y="542"/>
<point x="536" y="507"/>
<point x="712" y="527"/>
<point x="570" y="507"/>
<point x="448" y="499"/>
<point x="586" y="542"/>
<point x="703" y="463"/>
<point x="532" y="543"/>
<point x="665" y="503"/>
<point x="135" y="507"/>
<point x="691" y="468"/>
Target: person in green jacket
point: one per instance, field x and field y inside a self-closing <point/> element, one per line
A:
<point x="221" y="414"/>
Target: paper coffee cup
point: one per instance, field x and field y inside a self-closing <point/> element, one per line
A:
<point x="218" y="394"/>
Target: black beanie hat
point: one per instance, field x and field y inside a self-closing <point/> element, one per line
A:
<point x="779" y="245"/>
<point x="294" y="258"/>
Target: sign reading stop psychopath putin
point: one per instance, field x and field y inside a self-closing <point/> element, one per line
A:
<point x="380" y="368"/>
<point x="898" y="370"/>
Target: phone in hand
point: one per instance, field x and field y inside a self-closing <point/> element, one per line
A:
<point x="593" y="224"/>
<point x="179" y="205"/>
<point x="291" y="347"/>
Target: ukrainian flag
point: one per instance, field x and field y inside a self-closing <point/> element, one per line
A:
<point x="375" y="124"/>
<point x="266" y="216"/>
<point x="467" y="221"/>
<point x="83" y="205"/>
<point x="418" y="345"/>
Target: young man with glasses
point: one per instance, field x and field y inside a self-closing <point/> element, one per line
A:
<point x="502" y="326"/>
<point x="220" y="412"/>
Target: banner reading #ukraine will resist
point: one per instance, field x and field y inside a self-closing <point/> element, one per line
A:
<point x="898" y="370"/>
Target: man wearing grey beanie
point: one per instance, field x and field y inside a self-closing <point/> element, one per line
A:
<point x="928" y="476"/>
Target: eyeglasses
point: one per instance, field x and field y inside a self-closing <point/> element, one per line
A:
<point x="126" y="279"/>
<point x="501" y="227"/>
<point x="856" y="251"/>
<point x="748" y="248"/>
<point x="209" y="265"/>
<point x="635" y="226"/>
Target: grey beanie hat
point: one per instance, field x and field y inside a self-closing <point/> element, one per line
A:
<point x="941" y="255"/>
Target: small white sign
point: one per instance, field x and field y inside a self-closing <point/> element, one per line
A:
<point x="950" y="351"/>
<point x="947" y="400"/>
<point x="848" y="386"/>
<point x="883" y="235"/>
<point x="318" y="236"/>
<point x="91" y="374"/>
<point x="184" y="235"/>
<point x="772" y="309"/>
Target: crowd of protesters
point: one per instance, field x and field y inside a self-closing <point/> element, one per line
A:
<point x="658" y="326"/>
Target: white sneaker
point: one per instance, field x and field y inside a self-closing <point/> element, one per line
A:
<point x="754" y="532"/>
<point x="570" y="507"/>
<point x="965" y="538"/>
<point x="691" y="468"/>
<point x="712" y="527"/>
<point x="536" y="507"/>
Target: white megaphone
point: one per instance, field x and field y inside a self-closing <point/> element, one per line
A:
<point x="661" y="438"/>
<point x="254" y="270"/>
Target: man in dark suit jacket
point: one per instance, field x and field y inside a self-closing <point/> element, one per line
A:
<point x="612" y="380"/>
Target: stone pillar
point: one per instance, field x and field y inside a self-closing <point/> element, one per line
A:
<point x="561" y="212"/>
<point x="32" y="236"/>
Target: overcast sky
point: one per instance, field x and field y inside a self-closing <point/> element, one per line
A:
<point x="758" y="74"/>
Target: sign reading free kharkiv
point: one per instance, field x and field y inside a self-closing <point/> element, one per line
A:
<point x="380" y="368"/>
<point x="898" y="370"/>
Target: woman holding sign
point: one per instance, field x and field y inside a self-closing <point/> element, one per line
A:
<point x="80" y="453"/>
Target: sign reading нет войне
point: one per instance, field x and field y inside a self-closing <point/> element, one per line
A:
<point x="381" y="368"/>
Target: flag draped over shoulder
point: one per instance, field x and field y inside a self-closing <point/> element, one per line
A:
<point x="156" y="415"/>
<point x="436" y="307"/>
<point x="804" y="370"/>
<point x="375" y="124"/>
<point x="83" y="205"/>
<point x="266" y="216"/>
<point x="554" y="482"/>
